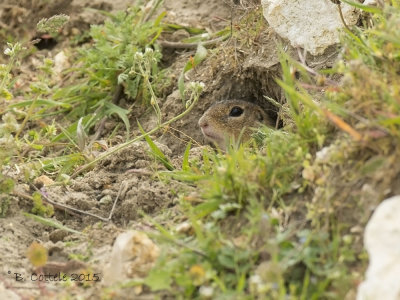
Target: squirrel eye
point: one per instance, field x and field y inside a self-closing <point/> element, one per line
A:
<point x="236" y="111"/>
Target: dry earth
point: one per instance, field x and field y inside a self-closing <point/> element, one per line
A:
<point x="236" y="71"/>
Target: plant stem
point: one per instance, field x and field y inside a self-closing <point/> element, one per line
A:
<point x="28" y="115"/>
<point x="153" y="100"/>
<point x="178" y="45"/>
<point x="9" y="67"/>
<point x="120" y="147"/>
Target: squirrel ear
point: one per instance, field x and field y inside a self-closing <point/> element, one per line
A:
<point x="260" y="116"/>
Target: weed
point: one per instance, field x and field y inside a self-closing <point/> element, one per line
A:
<point x="123" y="53"/>
<point x="52" y="223"/>
<point x="39" y="208"/>
<point x="6" y="188"/>
<point x="122" y="57"/>
<point x="37" y="254"/>
<point x="13" y="50"/>
<point x="53" y="24"/>
<point x="277" y="221"/>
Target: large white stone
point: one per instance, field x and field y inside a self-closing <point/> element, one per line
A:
<point x="310" y="24"/>
<point x="382" y="241"/>
<point x="132" y="256"/>
<point x="7" y="293"/>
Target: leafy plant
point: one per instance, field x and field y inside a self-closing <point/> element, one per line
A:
<point x="200" y="55"/>
<point x="37" y="254"/>
<point x="123" y="54"/>
<point x="53" y="24"/>
<point x="6" y="188"/>
<point x="39" y="208"/>
<point x="51" y="223"/>
<point x="122" y="57"/>
<point x="276" y="221"/>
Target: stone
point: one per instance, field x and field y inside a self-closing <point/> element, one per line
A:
<point x="371" y="2"/>
<point x="133" y="255"/>
<point x="310" y="24"/>
<point x="61" y="63"/>
<point x="382" y="241"/>
<point x="7" y="293"/>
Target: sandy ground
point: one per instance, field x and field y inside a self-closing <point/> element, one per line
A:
<point x="239" y="71"/>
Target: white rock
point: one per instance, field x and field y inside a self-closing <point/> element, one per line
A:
<point x="309" y="24"/>
<point x="370" y="2"/>
<point x="60" y="62"/>
<point x="133" y="255"/>
<point x="8" y="293"/>
<point x="382" y="241"/>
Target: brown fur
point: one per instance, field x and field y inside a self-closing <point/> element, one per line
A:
<point x="217" y="125"/>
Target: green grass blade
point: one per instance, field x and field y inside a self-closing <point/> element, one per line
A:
<point x="185" y="161"/>
<point x="175" y="27"/>
<point x="366" y="8"/>
<point x="200" y="55"/>
<point x="111" y="108"/>
<point x="40" y="102"/>
<point x="51" y="223"/>
<point x="70" y="130"/>
<point x="156" y="151"/>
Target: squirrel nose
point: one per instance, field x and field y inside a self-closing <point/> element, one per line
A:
<point x="203" y="123"/>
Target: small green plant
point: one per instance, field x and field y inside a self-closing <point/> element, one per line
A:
<point x="236" y="183"/>
<point x="200" y="55"/>
<point x="122" y="56"/>
<point x="39" y="208"/>
<point x="37" y="254"/>
<point x="276" y="221"/>
<point x="6" y="188"/>
<point x="51" y="222"/>
<point x="53" y="24"/>
<point x="9" y="124"/>
<point x="195" y="89"/>
<point x="6" y="78"/>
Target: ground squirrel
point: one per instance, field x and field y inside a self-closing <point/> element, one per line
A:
<point x="228" y="118"/>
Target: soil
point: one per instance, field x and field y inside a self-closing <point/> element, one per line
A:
<point x="237" y="71"/>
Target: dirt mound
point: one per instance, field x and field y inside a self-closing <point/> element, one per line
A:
<point x="233" y="71"/>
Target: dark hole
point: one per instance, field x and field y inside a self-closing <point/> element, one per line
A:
<point x="44" y="41"/>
